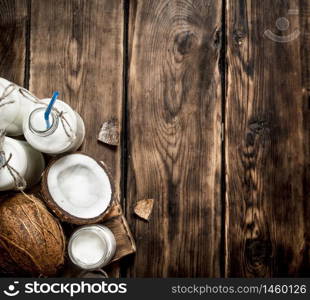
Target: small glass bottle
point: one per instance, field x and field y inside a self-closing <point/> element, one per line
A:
<point x="15" y="103"/>
<point x="64" y="133"/>
<point x="20" y="165"/>
<point x="92" y="247"/>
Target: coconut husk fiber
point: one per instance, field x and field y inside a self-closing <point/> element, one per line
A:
<point x="32" y="242"/>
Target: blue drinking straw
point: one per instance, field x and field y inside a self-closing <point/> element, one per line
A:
<point x="49" y="109"/>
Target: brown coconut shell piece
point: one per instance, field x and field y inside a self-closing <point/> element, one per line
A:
<point x="64" y="215"/>
<point x="109" y="132"/>
<point x="143" y="208"/>
<point x="32" y="241"/>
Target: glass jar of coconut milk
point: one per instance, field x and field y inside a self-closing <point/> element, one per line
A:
<point x="92" y="247"/>
<point x="20" y="165"/>
<point x="65" y="132"/>
<point x="15" y="103"/>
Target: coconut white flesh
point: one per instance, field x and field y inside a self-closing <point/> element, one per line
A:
<point x="79" y="186"/>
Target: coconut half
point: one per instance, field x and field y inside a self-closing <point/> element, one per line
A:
<point x="78" y="189"/>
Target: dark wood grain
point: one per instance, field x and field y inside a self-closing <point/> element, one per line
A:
<point x="174" y="113"/>
<point x="77" y="49"/>
<point x="304" y="19"/>
<point x="267" y="141"/>
<point x="13" y="25"/>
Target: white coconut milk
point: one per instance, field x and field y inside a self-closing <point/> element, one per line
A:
<point x="15" y="103"/>
<point x="92" y="246"/>
<point x="65" y="134"/>
<point x="19" y="161"/>
<point x="89" y="248"/>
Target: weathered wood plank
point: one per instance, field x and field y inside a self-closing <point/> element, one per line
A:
<point x="13" y="23"/>
<point x="267" y="140"/>
<point x="305" y="68"/>
<point x="77" y="49"/>
<point x="174" y="107"/>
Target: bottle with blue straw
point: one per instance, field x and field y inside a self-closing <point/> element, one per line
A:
<point x="53" y="127"/>
<point x="49" y="109"/>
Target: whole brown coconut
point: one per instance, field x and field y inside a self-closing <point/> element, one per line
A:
<point x="31" y="239"/>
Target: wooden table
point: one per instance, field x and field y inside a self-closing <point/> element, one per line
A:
<point x="215" y="116"/>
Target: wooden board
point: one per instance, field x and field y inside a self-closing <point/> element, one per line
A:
<point x="267" y="140"/>
<point x="174" y="113"/>
<point x="125" y="244"/>
<point x="116" y="221"/>
<point x="13" y="27"/>
<point x="77" y="49"/>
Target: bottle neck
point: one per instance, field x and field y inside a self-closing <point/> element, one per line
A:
<point x="39" y="126"/>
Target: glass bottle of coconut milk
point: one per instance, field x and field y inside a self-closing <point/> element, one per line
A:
<point x="92" y="247"/>
<point x="15" y="102"/>
<point x="64" y="133"/>
<point x="20" y="165"/>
